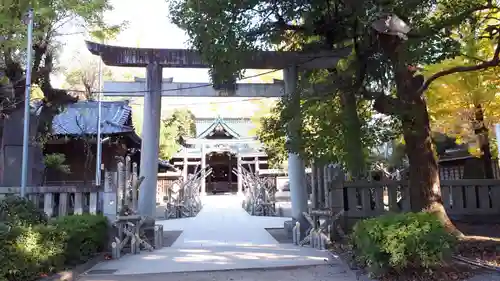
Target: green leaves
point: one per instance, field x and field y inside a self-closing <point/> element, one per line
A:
<point x="174" y="130"/>
<point x="399" y="241"/>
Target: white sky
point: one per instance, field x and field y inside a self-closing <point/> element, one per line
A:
<point x="149" y="27"/>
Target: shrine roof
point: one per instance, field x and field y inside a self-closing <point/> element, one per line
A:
<point x="237" y="127"/>
<point x="80" y="118"/>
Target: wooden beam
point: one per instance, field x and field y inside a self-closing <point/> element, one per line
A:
<point x="189" y="163"/>
<point x="244" y="90"/>
<point x="50" y="189"/>
<point x="253" y="162"/>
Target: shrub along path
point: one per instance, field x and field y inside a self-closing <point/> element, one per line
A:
<point x="31" y="246"/>
<point x="410" y="246"/>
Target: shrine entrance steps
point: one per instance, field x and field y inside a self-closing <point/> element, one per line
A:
<point x="221" y="237"/>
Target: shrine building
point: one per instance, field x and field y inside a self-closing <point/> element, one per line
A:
<point x="225" y="145"/>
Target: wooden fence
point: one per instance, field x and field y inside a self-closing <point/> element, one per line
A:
<point x="61" y="200"/>
<point x="460" y="197"/>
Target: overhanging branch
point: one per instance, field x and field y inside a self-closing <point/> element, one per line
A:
<point x="495" y="61"/>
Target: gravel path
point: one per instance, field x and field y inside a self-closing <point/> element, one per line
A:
<point x="309" y="273"/>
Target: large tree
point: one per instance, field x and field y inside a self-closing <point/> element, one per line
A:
<point x="383" y="59"/>
<point x="50" y="19"/>
<point x="83" y="77"/>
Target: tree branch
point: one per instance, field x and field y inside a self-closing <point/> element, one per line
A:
<point x="495" y="61"/>
<point x="382" y="103"/>
<point x="446" y="23"/>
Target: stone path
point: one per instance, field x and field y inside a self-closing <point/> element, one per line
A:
<point x="222" y="237"/>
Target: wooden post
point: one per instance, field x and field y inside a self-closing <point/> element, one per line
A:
<point x="63" y="204"/>
<point x="314" y="182"/>
<point x="93" y="203"/>
<point x="320" y="172"/>
<point x="128" y="181"/>
<point x="240" y="175"/>
<point x="326" y="182"/>
<point x="257" y="165"/>
<point x="185" y="164"/>
<point x="78" y="203"/>
<point x="134" y="186"/>
<point x="109" y="194"/>
<point x="35" y="198"/>
<point x="120" y="186"/>
<point x="48" y="204"/>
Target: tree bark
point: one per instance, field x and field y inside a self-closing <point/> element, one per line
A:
<point x="352" y="135"/>
<point x="482" y="135"/>
<point x="411" y="108"/>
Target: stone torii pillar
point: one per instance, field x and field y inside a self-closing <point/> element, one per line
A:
<point x="150" y="139"/>
<point x="296" y="166"/>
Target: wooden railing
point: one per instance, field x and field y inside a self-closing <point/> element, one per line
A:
<point x="460" y="197"/>
<point x="61" y="200"/>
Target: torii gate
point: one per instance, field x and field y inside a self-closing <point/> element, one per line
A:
<point x="154" y="60"/>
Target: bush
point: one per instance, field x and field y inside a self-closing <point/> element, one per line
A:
<point x="29" y="251"/>
<point x="84" y="236"/>
<point x="18" y="211"/>
<point x="399" y="241"/>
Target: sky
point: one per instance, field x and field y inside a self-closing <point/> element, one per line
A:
<point x="149" y="27"/>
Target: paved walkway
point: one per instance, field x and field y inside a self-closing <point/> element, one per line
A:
<point x="222" y="237"/>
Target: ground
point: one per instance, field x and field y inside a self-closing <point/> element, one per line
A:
<point x="223" y="242"/>
<point x="303" y="273"/>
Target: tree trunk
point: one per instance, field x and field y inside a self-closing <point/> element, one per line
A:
<point x="352" y="135"/>
<point x="410" y="106"/>
<point x="425" y="186"/>
<point x="482" y="135"/>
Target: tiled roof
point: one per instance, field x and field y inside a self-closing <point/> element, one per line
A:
<point x="81" y="118"/>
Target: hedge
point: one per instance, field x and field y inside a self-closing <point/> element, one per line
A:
<point x="15" y="211"/>
<point x="31" y="251"/>
<point x="400" y="241"/>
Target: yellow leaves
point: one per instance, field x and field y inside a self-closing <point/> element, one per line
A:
<point x="36" y="93"/>
<point x="452" y="99"/>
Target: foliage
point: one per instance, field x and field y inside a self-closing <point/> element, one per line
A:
<point x="322" y="134"/>
<point x="454" y="100"/>
<point x="223" y="31"/>
<point x="179" y="126"/>
<point x="18" y="211"/>
<point x="29" y="252"/>
<point x="55" y="162"/>
<point x="399" y="241"/>
<point x="51" y="18"/>
<point x="84" y="77"/>
<point x="84" y="236"/>
<point x="272" y="136"/>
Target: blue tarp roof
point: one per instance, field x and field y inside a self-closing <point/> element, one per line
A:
<point x="81" y="118"/>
